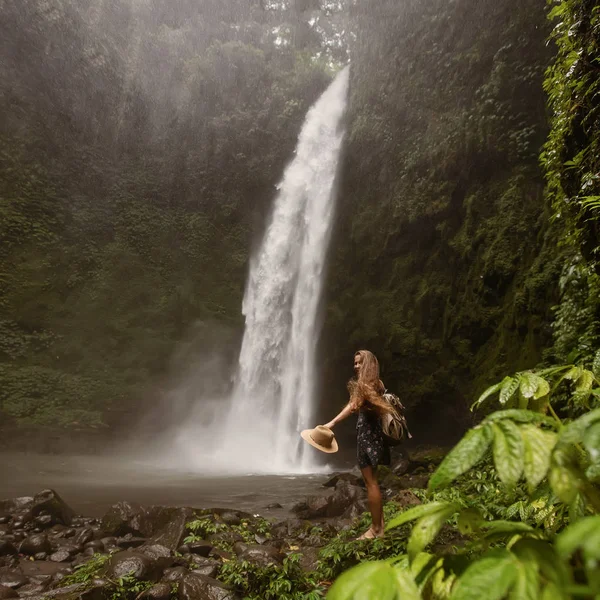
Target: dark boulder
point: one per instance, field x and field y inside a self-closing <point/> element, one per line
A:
<point x="230" y="518"/>
<point x="130" y="541"/>
<point x="406" y="498"/>
<point x="159" y="591"/>
<point x="7" y="548"/>
<point x="349" y="477"/>
<point x="35" y="543"/>
<point x="260" y="555"/>
<point x="313" y="507"/>
<point x="400" y="466"/>
<point x="291" y="528"/>
<point x="199" y="587"/>
<point x="135" y="564"/>
<point x="200" y="547"/>
<point x="156" y="551"/>
<point x="48" y="502"/>
<point x="13" y="579"/>
<point x="174" y="575"/>
<point x="345" y="496"/>
<point x="60" y="556"/>
<point x="6" y="592"/>
<point x="84" y="536"/>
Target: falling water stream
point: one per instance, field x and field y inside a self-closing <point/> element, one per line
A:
<point x="256" y="429"/>
<point x="275" y="385"/>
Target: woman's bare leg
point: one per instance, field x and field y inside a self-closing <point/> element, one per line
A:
<point x="375" y="504"/>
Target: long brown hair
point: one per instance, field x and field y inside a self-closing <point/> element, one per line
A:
<point x="367" y="389"/>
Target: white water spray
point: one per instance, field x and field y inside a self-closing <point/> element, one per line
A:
<point x="274" y="389"/>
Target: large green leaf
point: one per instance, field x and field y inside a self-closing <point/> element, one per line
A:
<point x="585" y="381"/>
<point x="422" y="510"/>
<point x="491" y="390"/>
<point x="366" y="581"/>
<point x="543" y="554"/>
<point x="509" y="387"/>
<point x="573" y="432"/>
<point x="543" y="388"/>
<point x="426" y="528"/>
<point x="538" y="445"/>
<point x="528" y="384"/>
<point x="591" y="441"/>
<point x="508" y="451"/>
<point x="527" y="584"/>
<point x="565" y="483"/>
<point x="466" y="454"/>
<point x="490" y="578"/>
<point x="573" y="374"/>
<point x="520" y="416"/>
<point x="583" y="535"/>
<point x="407" y="588"/>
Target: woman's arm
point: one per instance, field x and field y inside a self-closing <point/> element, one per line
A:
<point x="344" y="413"/>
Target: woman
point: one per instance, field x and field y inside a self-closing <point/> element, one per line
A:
<point x="366" y="392"/>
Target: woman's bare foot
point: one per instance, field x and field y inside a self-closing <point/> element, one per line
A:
<point x="371" y="534"/>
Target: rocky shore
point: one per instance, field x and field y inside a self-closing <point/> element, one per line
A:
<point x="161" y="552"/>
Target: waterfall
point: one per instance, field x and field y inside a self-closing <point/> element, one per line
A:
<point x="274" y="387"/>
<point x="273" y="397"/>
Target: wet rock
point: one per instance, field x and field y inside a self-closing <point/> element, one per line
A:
<point x="7" y="548"/>
<point x="43" y="521"/>
<point x="200" y="547"/>
<point x="222" y="554"/>
<point x="349" y="477"/>
<point x="156" y="551"/>
<point x="414" y="481"/>
<point x="230" y="518"/>
<point x="13" y="579"/>
<point x="199" y="587"/>
<point x="206" y="566"/>
<point x="164" y="525"/>
<point x="32" y="589"/>
<point x="84" y="536"/>
<point x="174" y="575"/>
<point x="400" y="466"/>
<point x="4" y="519"/>
<point x="6" y="592"/>
<point x="159" y="591"/>
<point x="406" y="498"/>
<point x="48" y="502"/>
<point x="274" y="505"/>
<point x="40" y="556"/>
<point x="95" y="546"/>
<point x="130" y="541"/>
<point x="345" y="495"/>
<point x="260" y="555"/>
<point x="291" y="528"/>
<point x="60" y="556"/>
<point x="136" y="564"/>
<point x="35" y="543"/>
<point x="313" y="507"/>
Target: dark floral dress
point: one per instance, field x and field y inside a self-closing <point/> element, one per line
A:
<point x="371" y="449"/>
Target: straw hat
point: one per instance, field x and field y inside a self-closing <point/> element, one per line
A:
<point x="321" y="438"/>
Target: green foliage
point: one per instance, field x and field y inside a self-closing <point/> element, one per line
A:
<point x="88" y="570"/>
<point x="273" y="582"/>
<point x="525" y="550"/>
<point x="571" y="161"/>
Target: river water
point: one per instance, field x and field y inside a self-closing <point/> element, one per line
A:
<point x="90" y="484"/>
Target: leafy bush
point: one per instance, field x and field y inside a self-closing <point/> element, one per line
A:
<point x="546" y="543"/>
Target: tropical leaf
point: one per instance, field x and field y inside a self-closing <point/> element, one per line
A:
<point x="583" y="535"/>
<point x="591" y="442"/>
<point x="365" y="581"/>
<point x="528" y="384"/>
<point x="538" y="445"/>
<point x="543" y="388"/>
<point x="509" y="387"/>
<point x="490" y="578"/>
<point x="527" y="584"/>
<point x="573" y="374"/>
<point x="491" y="390"/>
<point x="585" y="381"/>
<point x="466" y="454"/>
<point x="574" y="432"/>
<point x="422" y="510"/>
<point x="407" y="588"/>
<point x="520" y="416"/>
<point x="426" y="528"/>
<point x="565" y="483"/>
<point x="508" y="451"/>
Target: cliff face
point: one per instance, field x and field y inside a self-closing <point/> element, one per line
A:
<point x="443" y="262"/>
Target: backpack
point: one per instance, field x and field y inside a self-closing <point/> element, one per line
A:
<point x="393" y="423"/>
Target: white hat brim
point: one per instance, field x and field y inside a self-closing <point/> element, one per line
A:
<point x="307" y="438"/>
